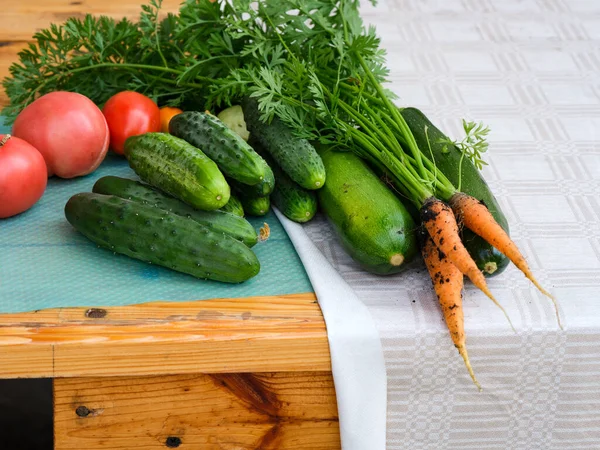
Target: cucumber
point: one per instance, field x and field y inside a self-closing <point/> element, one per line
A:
<point x="233" y="206"/>
<point x="297" y="157"/>
<point x="236" y="159"/>
<point x="254" y="205"/>
<point x="218" y="221"/>
<point x="177" y="168"/>
<point x="489" y="260"/>
<point x="373" y="225"/>
<point x="295" y="202"/>
<point x="262" y="189"/>
<point x="153" y="235"/>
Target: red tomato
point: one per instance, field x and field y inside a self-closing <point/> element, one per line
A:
<point x="68" y="129"/>
<point x="129" y="114"/>
<point x="23" y="176"/>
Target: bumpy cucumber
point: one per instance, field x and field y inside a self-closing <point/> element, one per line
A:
<point x="295" y="202"/>
<point x="236" y="159"/>
<point x="297" y="157"/>
<point x="233" y="206"/>
<point x="218" y="221"/>
<point x="177" y="168"/>
<point x="373" y="225"/>
<point x="254" y="205"/>
<point x="153" y="235"/>
<point x="262" y="189"/>
<point x="447" y="160"/>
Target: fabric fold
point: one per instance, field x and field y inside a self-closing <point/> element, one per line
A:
<point x="357" y="358"/>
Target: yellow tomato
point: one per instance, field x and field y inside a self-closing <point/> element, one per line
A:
<point x="166" y="114"/>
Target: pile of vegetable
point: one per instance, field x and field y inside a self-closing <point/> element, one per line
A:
<point x="303" y="120"/>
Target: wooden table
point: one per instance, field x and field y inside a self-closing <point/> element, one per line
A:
<point x="227" y="374"/>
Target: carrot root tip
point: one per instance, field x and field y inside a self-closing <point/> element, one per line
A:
<point x="462" y="350"/>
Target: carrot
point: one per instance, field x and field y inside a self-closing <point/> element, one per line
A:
<point x="448" y="284"/>
<point x="440" y="223"/>
<point x="477" y="218"/>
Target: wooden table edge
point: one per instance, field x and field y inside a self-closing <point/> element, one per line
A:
<point x="284" y="333"/>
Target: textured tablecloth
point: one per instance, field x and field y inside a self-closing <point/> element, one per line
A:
<point x="531" y="71"/>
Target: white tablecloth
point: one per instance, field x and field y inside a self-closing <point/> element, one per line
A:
<point x="530" y="69"/>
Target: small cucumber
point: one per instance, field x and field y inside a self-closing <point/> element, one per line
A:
<point x="254" y="205"/>
<point x="373" y="225"/>
<point x="153" y="235"/>
<point x="295" y="202"/>
<point x="447" y="160"/>
<point x="297" y="157"/>
<point x="234" y="206"/>
<point x="177" y="168"/>
<point x="262" y="189"/>
<point x="218" y="221"/>
<point x="236" y="159"/>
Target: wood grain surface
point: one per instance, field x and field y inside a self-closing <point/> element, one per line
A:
<point x="22" y="18"/>
<point x="210" y="412"/>
<point x="258" y="334"/>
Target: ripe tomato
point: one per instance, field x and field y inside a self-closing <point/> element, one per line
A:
<point x="23" y="175"/>
<point x="68" y="129"/>
<point x="129" y="114"/>
<point x="166" y="114"/>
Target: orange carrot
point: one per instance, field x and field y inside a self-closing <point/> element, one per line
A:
<point x="448" y="284"/>
<point x="439" y="220"/>
<point x="477" y="218"/>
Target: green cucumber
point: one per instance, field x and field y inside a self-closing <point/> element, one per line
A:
<point x="234" y="206"/>
<point x="236" y="159"/>
<point x="262" y="189"/>
<point x="153" y="235"/>
<point x="254" y="205"/>
<point x="297" y="157"/>
<point x="295" y="202"/>
<point x="447" y="160"/>
<point x="373" y="225"/>
<point x="177" y="168"/>
<point x="218" y="221"/>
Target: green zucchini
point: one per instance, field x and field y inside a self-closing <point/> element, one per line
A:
<point x="447" y="160"/>
<point x="153" y="235"/>
<point x="234" y="206"/>
<point x="373" y="225"/>
<point x="297" y="157"/>
<point x="295" y="202"/>
<point x="236" y="159"/>
<point x="177" y="168"/>
<point x="218" y="221"/>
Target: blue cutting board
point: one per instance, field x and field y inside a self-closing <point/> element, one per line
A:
<point x="45" y="263"/>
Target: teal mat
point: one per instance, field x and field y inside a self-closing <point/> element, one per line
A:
<point x="45" y="263"/>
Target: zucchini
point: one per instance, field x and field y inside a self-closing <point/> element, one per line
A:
<point x="177" y="168"/>
<point x="489" y="260"/>
<point x="234" y="206"/>
<point x="218" y="221"/>
<point x="373" y="225"/>
<point x="297" y="157"/>
<point x="295" y="202"/>
<point x="153" y="235"/>
<point x="236" y="159"/>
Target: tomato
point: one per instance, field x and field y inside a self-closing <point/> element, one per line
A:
<point x="129" y="114"/>
<point x="166" y="114"/>
<point x="68" y="129"/>
<point x="23" y="176"/>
